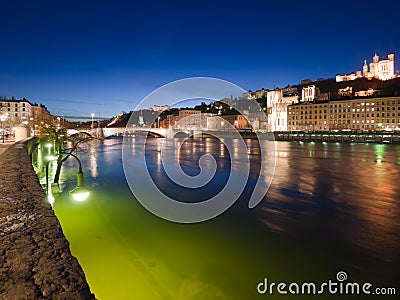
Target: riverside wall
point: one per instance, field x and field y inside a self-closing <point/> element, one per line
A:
<point x="35" y="258"/>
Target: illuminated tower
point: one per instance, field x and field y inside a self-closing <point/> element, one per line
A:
<point x="373" y="67"/>
<point x="391" y="64"/>
<point x="375" y="59"/>
<point x="365" y="68"/>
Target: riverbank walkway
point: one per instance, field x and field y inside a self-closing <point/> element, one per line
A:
<point x="3" y="147"/>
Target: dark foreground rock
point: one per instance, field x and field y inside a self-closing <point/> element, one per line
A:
<point x="35" y="259"/>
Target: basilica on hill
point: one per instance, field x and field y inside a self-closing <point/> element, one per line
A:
<point x="381" y="69"/>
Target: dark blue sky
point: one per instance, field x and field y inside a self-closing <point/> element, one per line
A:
<point x="110" y="54"/>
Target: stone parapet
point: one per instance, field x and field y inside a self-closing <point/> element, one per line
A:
<point x="35" y="258"/>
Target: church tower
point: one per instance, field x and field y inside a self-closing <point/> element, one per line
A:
<point x="391" y="64"/>
<point x="365" y="68"/>
<point x="373" y="67"/>
<point x="375" y="59"/>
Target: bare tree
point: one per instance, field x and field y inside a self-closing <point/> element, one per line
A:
<point x="64" y="145"/>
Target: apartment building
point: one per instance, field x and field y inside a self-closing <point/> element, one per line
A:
<point x="356" y="114"/>
<point x="17" y="111"/>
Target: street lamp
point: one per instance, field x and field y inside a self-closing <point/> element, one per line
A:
<point x="49" y="159"/>
<point x="3" y="118"/>
<point x="80" y="192"/>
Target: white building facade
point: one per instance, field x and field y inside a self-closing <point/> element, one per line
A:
<point x="17" y="111"/>
<point x="309" y="93"/>
<point x="277" y="106"/>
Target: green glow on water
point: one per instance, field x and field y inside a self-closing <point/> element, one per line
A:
<point x="379" y="152"/>
<point x="301" y="232"/>
<point x="127" y="253"/>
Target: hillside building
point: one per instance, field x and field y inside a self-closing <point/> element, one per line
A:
<point x="380" y="69"/>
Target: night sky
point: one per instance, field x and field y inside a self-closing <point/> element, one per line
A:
<point x="108" y="55"/>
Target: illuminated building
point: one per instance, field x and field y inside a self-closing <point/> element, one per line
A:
<point x="250" y="95"/>
<point x="380" y="69"/>
<point x="160" y="108"/>
<point x="356" y="114"/>
<point x="277" y="103"/>
<point x="17" y="110"/>
<point x="238" y="121"/>
<point x="186" y="118"/>
<point x="309" y="93"/>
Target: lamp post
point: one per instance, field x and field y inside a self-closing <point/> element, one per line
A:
<point x="50" y="197"/>
<point x="49" y="159"/>
<point x="80" y="192"/>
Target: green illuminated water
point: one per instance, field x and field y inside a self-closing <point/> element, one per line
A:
<point x="331" y="207"/>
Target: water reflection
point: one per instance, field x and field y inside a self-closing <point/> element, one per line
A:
<point x="93" y="161"/>
<point x="343" y="199"/>
<point x="330" y="207"/>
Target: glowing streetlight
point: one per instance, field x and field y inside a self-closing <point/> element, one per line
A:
<point x="80" y="192"/>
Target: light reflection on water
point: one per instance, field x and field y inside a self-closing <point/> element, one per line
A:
<point x="330" y="207"/>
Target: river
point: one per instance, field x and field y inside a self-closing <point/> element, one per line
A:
<point x="331" y="207"/>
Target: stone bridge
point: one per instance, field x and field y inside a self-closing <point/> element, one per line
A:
<point x="120" y="131"/>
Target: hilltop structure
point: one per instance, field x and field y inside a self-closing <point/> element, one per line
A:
<point x="380" y="69"/>
<point x="368" y="100"/>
